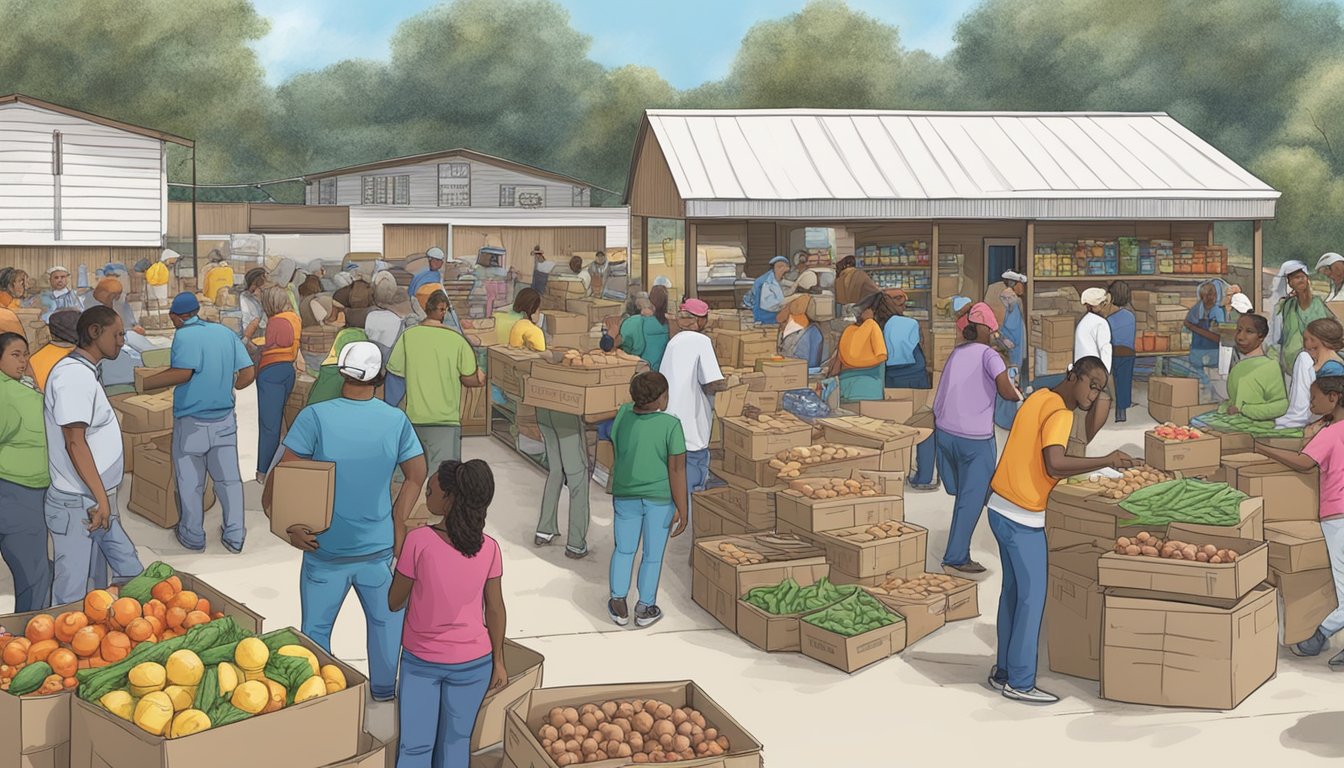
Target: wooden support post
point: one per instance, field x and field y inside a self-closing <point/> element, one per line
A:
<point x="1025" y="375"/>
<point x="691" y="268"/>
<point x="1258" y="266"/>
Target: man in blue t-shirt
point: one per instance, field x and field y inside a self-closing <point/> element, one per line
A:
<point x="207" y="363"/>
<point x="767" y="293"/>
<point x="367" y="440"/>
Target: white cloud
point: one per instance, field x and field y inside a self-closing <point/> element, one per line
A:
<point x="302" y="39"/>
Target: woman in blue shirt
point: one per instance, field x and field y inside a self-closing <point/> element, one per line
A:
<point x="1202" y="321"/>
<point x="1123" y="331"/>
<point x="906" y="366"/>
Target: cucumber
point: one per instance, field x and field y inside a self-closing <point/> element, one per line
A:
<point x="30" y="678"/>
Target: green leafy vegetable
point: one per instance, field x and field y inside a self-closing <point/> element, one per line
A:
<point x="141" y="586"/>
<point x="854" y="615"/>
<point x="786" y="597"/>
<point x="1184" y="501"/>
<point x="1236" y="422"/>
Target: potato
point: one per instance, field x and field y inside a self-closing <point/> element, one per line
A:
<point x="567" y="731"/>
<point x="1123" y="541"/>
<point x="1210" y="550"/>
<point x="663" y="728"/>
<point x="1132" y="549"/>
<point x="1148" y="551"/>
<point x="589" y="721"/>
<point x="1202" y="557"/>
<point x="1144" y="536"/>
<point x="556" y="717"/>
<point x="1232" y="556"/>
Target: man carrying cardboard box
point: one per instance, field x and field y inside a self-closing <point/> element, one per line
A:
<point x="84" y="450"/>
<point x="367" y="440"/>
<point x="208" y="363"/>
<point x="1326" y="452"/>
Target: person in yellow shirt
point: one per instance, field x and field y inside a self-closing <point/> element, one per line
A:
<point x="64" y="327"/>
<point x="9" y="323"/>
<point x="861" y="358"/>
<point x="218" y="276"/>
<point x="525" y="334"/>
<point x="1033" y="462"/>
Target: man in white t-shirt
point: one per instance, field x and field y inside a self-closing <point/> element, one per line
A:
<point x="1092" y="338"/>
<point x="693" y="376"/>
<point x="85" y="452"/>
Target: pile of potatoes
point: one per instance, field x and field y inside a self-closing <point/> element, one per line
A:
<point x="1132" y="480"/>
<point x="777" y="421"/>
<point x="917" y="588"/>
<point x="1148" y="545"/>
<point x="597" y="359"/>
<point x="736" y="555"/>
<point x="790" y="463"/>
<point x="885" y="530"/>
<point x="833" y="487"/>
<point x="644" y="731"/>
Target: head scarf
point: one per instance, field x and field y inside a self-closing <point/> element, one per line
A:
<point x="1014" y="277"/>
<point x="315" y="266"/>
<point x="385" y="290"/>
<point x="1279" y="290"/>
<point x="64" y="325"/>
<point x="342" y="279"/>
<point x="427" y="290"/>
<point x="1242" y="303"/>
<point x="321" y="306"/>
<point x="1219" y="288"/>
<point x="958" y="304"/>
<point x="106" y="288"/>
<point x="284" y="271"/>
<point x="981" y="314"/>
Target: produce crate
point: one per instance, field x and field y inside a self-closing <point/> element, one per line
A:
<point x="900" y="556"/>
<point x="524" y="668"/>
<point x="851" y="653"/>
<point x="99" y="739"/>
<point x="509" y="368"/>
<point x="815" y="515"/>
<point x="1102" y="520"/>
<point x="574" y="399"/>
<point x="549" y="367"/>
<point x="752" y="505"/>
<point x="892" y="439"/>
<point x="1182" y="455"/>
<point x="1189" y="580"/>
<point x="713" y="517"/>
<point x="923" y="615"/>
<point x="773" y="631"/>
<point x="525" y="717"/>
<point x="716" y="583"/>
<point x="756" y="440"/>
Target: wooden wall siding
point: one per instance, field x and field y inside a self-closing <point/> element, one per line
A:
<point x="113" y="187"/>
<point x="402" y="240"/>
<point x="557" y="242"/>
<point x="271" y="218"/>
<point x="37" y="259"/>
<point x="653" y="192"/>
<point x="761" y="239"/>
<point x="486" y="180"/>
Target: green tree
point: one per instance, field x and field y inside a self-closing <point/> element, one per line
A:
<point x="602" y="145"/>
<point x="184" y="68"/>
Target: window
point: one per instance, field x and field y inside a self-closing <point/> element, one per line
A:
<point x="326" y="191"/>
<point x="579" y="197"/>
<point x="531" y="197"/>
<point x="386" y="190"/>
<point x="507" y="196"/>
<point x="454" y="185"/>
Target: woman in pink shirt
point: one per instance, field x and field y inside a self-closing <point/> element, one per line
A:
<point x="454" y="629"/>
<point x="1326" y="451"/>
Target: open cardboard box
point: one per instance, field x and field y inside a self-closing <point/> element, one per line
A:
<point x="754" y="440"/>
<point x="1296" y="546"/>
<point x="549" y="366"/>
<point x="1190" y="580"/>
<point x="774" y="631"/>
<point x="1177" y="455"/>
<point x="717" y="584"/>
<point x="808" y="514"/>
<point x="524" y="668"/>
<point x="852" y="653"/>
<point x="752" y="505"/>
<point x="320" y="731"/>
<point x="923" y="615"/>
<point x="901" y="556"/>
<point x="1073" y="623"/>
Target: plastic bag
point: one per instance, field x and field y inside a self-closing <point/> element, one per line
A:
<point x="805" y="404"/>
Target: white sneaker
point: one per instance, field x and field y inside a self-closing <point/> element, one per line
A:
<point x="1033" y="696"/>
<point x="993" y="683"/>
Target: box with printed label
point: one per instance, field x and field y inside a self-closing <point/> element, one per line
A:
<point x="509" y="368"/>
<point x="577" y="400"/>
<point x="850" y="653"/>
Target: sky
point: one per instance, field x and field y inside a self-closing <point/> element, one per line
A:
<point x="689" y="42"/>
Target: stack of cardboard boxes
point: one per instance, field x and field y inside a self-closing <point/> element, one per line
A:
<point x="1300" y="569"/>
<point x="1052" y="340"/>
<point x="741" y="349"/>
<point x="590" y="387"/>
<point x="567" y="329"/>
<point x="1177" y="400"/>
<point x="1161" y="318"/>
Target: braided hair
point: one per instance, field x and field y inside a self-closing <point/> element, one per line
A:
<point x="470" y="486"/>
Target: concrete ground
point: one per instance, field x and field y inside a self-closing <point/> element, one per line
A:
<point x="931" y="700"/>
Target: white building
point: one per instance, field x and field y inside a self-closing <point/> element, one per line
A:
<point x="77" y="188"/>
<point x="461" y="200"/>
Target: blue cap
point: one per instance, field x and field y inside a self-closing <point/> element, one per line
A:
<point x="184" y="304"/>
<point x="959" y="303"/>
<point x="779" y="260"/>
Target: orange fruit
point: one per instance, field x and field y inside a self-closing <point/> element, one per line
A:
<point x="203" y="606"/>
<point x="218" y="615"/>
<point x="124" y="611"/>
<point x="164" y="591"/>
<point x="196" y="617"/>
<point x="115" y="647"/>
<point x="40" y="650"/>
<point x="97" y="604"/>
<point x="157" y="609"/>
<point x="157" y="625"/>
<point x="68" y="623"/>
<point x="139" y="630"/>
<point x="85" y="642"/>
<point x="63" y="662"/>
<point x="186" y="600"/>
<point x="16" y="652"/>
<point x="40" y="627"/>
<point x="97" y="661"/>
<point x="70" y="683"/>
<point x="175" y="617"/>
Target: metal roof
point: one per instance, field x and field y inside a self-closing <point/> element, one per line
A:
<point x="19" y="98"/>
<point x="811" y="163"/>
<point x="470" y="154"/>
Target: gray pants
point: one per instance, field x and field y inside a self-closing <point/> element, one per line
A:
<point x="83" y="556"/>
<point x="441" y="443"/>
<point x="23" y="544"/>
<point x="567" y="458"/>
<point x="200" y="447"/>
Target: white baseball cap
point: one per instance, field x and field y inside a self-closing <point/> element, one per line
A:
<point x="1014" y="277"/>
<point x="57" y="268"/>
<point x="360" y="360"/>
<point x="1242" y="303"/>
<point x="1327" y="260"/>
<point x="1095" y="297"/>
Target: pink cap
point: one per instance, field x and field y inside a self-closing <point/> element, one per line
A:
<point x="979" y="313"/>
<point x="695" y="307"/>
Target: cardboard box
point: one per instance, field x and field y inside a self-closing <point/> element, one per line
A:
<point x="1287" y="494"/>
<point x="508" y="368"/>
<point x="1174" y="391"/>
<point x="1099" y="520"/>
<point x="557" y="323"/>
<point x="711" y="517"/>
<point x="899" y="411"/>
<point x="920" y="398"/>
<point x="1183" y="414"/>
<point x="1181" y="455"/>
<point x="773" y="631"/>
<point x="302" y="493"/>
<point x="716" y="584"/>
<point x="1073" y="624"/>
<point x="141" y="374"/>
<point x="100" y="739"/>
<point x="1075" y="553"/>
<point x="750" y="439"/>
<point x="1230" y="470"/>
<point x="524" y="718"/>
<point x="741" y="349"/>
<point x="1056" y="331"/>
<point x="1234" y="442"/>
<point x="765" y="402"/>
<point x="1296" y="546"/>
<point x="145" y="413"/>
<point x="901" y="556"/>
<point x="372" y="754"/>
<point x="596" y="310"/>
<point x="524" y="667"/>
<point x="154" y="488"/>
<point x="923" y="616"/>
<point x="35" y="730"/>
<point x="751" y="504"/>
<point x="760" y="472"/>
<point x="894" y="440"/>
<point x="783" y="374"/>
<point x="548" y="367"/>
<point x="130" y="440"/>
<point x="1181" y="655"/>
<point x="963" y="600"/>
<point x="577" y="400"/>
<point x="850" y="654"/>
<point x="814" y="515"/>
<point x="1308" y="597"/>
<point x="1189" y="580"/>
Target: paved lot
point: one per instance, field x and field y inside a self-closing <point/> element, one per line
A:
<point x="930" y="703"/>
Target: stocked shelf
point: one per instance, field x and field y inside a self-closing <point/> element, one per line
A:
<point x="1137" y="278"/>
<point x="881" y="268"/>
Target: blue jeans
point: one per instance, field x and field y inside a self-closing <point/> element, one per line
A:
<point x="323" y="585"/>
<point x="23" y="544"/>
<point x="635" y="519"/>
<point x="697" y="476"/>
<point x="1021" y="601"/>
<point x="967" y="466"/>
<point x="394" y="389"/>
<point x="274" y="383"/>
<point x="82" y="556"/>
<point x="925" y="453"/>
<point x="1122" y="367"/>
<point x="1201" y="360"/>
<point x="436" y="710"/>
<point x="200" y="447"/>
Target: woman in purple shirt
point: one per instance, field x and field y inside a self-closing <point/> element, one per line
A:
<point x="963" y="418"/>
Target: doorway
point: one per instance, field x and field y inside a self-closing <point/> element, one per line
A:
<point x="1000" y="256"/>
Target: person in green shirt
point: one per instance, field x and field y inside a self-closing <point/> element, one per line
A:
<point x="645" y="335"/>
<point x="24" y="478"/>
<point x="1255" y="386"/>
<point x="436" y="362"/>
<point x="649" y="495"/>
<point x="1293" y="312"/>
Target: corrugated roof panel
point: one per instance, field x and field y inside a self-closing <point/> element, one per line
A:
<point x="720" y="169"/>
<point x="999" y="149"/>
<point x="1202" y="171"/>
<point x="888" y="159"/>
<point x="857" y="157"/>
<point x="1247" y="179"/>
<point x="1169" y="168"/>
<point x="1109" y="172"/>
<point x="1112" y="143"/>
<point x="775" y="159"/>
<point x="979" y="164"/>
<point x="948" y="161"/>
<point x="747" y="166"/>
<point x="925" y="166"/>
<point x="686" y="162"/>
<point x="1046" y="166"/>
<point x="831" y="167"/>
